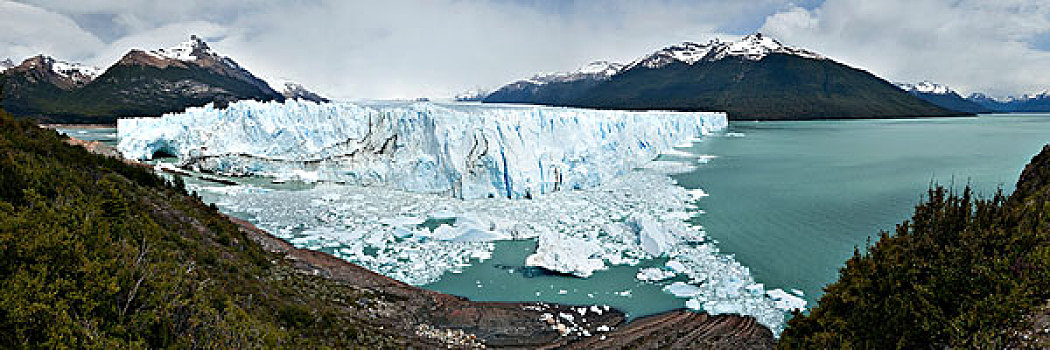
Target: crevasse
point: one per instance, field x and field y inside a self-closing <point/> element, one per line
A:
<point x="466" y="151"/>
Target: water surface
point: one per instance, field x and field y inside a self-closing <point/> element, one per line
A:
<point x="792" y="199"/>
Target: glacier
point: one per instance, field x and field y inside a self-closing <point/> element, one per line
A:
<point x="443" y="182"/>
<point x="465" y="151"/>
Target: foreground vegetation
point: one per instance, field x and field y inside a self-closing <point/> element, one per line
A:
<point x="95" y="253"/>
<point x="962" y="273"/>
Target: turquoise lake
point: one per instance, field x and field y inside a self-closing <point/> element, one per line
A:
<point x="790" y="200"/>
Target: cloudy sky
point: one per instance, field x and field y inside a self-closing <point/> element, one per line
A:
<point x="404" y="49"/>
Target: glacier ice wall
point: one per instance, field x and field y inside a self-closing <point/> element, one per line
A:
<point x="466" y="151"/>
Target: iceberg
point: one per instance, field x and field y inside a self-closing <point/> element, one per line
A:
<point x="571" y="255"/>
<point x="785" y="301"/>
<point x="682" y="290"/>
<point x="465" y="151"/>
<point x="653" y="274"/>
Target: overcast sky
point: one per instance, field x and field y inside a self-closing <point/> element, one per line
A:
<point x="436" y="48"/>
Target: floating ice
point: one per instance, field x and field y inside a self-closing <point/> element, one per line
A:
<point x="682" y="290"/>
<point x="653" y="274"/>
<point x="571" y="255"/>
<point x="785" y="301"/>
<point x="466" y="151"/>
<point x="429" y="168"/>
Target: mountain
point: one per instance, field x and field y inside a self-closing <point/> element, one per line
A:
<point x="553" y="88"/>
<point x="142" y="83"/>
<point x="943" y="96"/>
<point x="1026" y="103"/>
<point x="295" y="91"/>
<point x="6" y="64"/>
<point x="755" y="78"/>
<point x="472" y="95"/>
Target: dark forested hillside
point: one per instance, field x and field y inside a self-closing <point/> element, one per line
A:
<point x="95" y="253"/>
<point x="964" y="272"/>
<point x="778" y="87"/>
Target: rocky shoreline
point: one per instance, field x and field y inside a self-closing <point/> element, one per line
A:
<point x="428" y="319"/>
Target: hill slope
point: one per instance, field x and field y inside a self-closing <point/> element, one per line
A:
<point x="756" y="78"/>
<point x="960" y="274"/>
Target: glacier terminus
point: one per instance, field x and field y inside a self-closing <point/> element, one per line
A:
<point x="466" y="151"/>
<point x="418" y="190"/>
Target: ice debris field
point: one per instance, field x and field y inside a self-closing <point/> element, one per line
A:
<point x="417" y="191"/>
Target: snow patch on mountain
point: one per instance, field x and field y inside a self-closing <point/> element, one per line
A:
<point x="188" y="51"/>
<point x="595" y="70"/>
<point x="471" y="95"/>
<point x="925" y="87"/>
<point x="466" y="151"/>
<point x="77" y="72"/>
<point x="6" y="64"/>
<point x="753" y="47"/>
<point x="293" y="90"/>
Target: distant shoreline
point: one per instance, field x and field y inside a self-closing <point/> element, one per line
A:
<point x="78" y="126"/>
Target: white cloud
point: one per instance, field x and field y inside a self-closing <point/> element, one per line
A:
<point x="28" y="31"/>
<point x="400" y="48"/>
<point x="971" y="45"/>
<point x="383" y="49"/>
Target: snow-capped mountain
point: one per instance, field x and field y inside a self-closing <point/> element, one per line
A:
<point x="943" y="96"/>
<point x="79" y="73"/>
<point x="593" y="70"/>
<point x="6" y="64"/>
<point x="755" y="77"/>
<point x="564" y="85"/>
<point x="63" y="74"/>
<point x="196" y="54"/>
<point x="925" y="87"/>
<point x="1025" y="103"/>
<point x="191" y="50"/>
<point x="141" y="83"/>
<point x="471" y="95"/>
<point x="294" y="91"/>
<point x="753" y="47"/>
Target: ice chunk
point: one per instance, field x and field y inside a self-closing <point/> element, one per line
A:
<point x="682" y="290"/>
<point x="557" y="252"/>
<point x="467" y="151"/>
<point x="785" y="301"/>
<point x="654" y="274"/>
<point x="676" y="266"/>
<point x="654" y="238"/>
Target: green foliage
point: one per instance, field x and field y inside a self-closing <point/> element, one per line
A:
<point x="96" y="253"/>
<point x="959" y="274"/>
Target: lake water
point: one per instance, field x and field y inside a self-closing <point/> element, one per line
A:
<point x="792" y="199"/>
<point x="789" y="199"/>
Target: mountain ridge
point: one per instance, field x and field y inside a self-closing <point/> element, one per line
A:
<point x="943" y="96"/>
<point x="140" y="83"/>
<point x="754" y="78"/>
